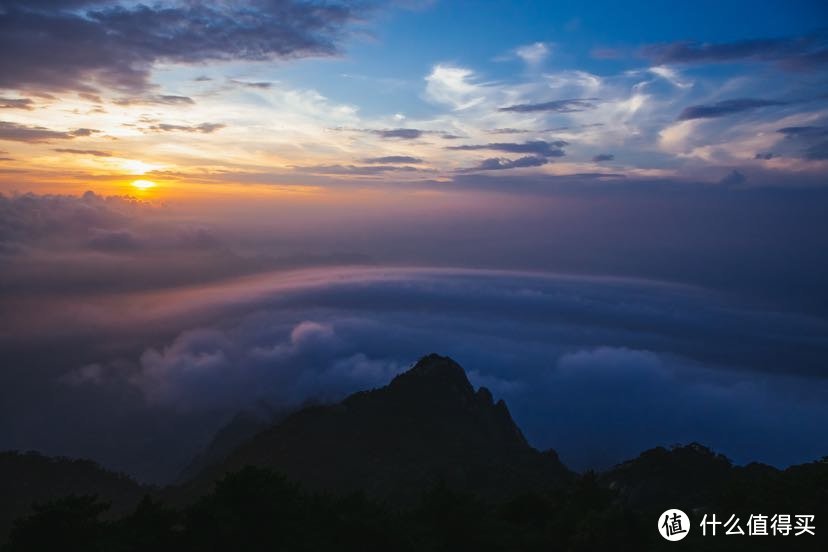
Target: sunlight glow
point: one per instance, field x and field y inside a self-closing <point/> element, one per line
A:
<point x="137" y="167"/>
<point x="143" y="184"/>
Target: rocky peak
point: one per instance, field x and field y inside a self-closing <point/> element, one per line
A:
<point x="435" y="374"/>
<point x="427" y="424"/>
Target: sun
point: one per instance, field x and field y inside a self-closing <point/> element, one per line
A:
<point x="144" y="184"/>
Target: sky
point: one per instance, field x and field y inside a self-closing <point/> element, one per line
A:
<point x="612" y="215"/>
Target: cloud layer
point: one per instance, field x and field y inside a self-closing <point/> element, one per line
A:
<point x="598" y="369"/>
<point x="170" y="322"/>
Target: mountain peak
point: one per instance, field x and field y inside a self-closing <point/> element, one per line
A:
<point x="428" y="424"/>
<point x="435" y="373"/>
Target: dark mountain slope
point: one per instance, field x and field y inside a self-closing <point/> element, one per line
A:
<point x="241" y="427"/>
<point x="427" y="425"/>
<point x="692" y="475"/>
<point x="31" y="477"/>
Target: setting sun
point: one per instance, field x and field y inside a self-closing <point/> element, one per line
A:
<point x="144" y="184"/>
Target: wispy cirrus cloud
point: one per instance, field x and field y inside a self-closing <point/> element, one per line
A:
<point x="94" y="153"/>
<point x="358" y="170"/>
<point x="156" y="99"/>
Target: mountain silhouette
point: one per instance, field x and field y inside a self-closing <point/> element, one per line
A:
<point x="427" y="425"/>
<point x="423" y="463"/>
<point x="692" y="475"/>
<point x="31" y="477"/>
<point x="700" y="479"/>
<point x="241" y="427"/>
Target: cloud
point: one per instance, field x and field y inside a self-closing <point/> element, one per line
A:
<point x="533" y="54"/>
<point x="312" y="361"/>
<point x="16" y="103"/>
<point x="804" y="131"/>
<point x="29" y="217"/>
<point x="203" y="128"/>
<point x="261" y="85"/>
<point x="507" y="131"/>
<point x="399" y="133"/>
<point x="666" y="399"/>
<point x="539" y="148"/>
<point x="402" y="133"/>
<point x="36" y="134"/>
<point x="497" y="164"/>
<point x="817" y="152"/>
<point x="813" y="140"/>
<point x="83" y="132"/>
<point x="764" y="156"/>
<point x="597" y="368"/>
<point x="158" y="99"/>
<point x="358" y="170"/>
<point x="96" y="153"/>
<point x="733" y="178"/>
<point x="791" y="52"/>
<point x="670" y="75"/>
<point x="454" y="86"/>
<point x="573" y="105"/>
<point x="105" y="239"/>
<point x="81" y="45"/>
<point x="724" y="108"/>
<point x="393" y="159"/>
<point x="603" y="157"/>
<point x="744" y="358"/>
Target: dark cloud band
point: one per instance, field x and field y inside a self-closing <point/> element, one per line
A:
<point x="79" y="45"/>
<point x="539" y="148"/>
<point x="724" y="108"/>
<point x="558" y="106"/>
<point x="792" y="52"/>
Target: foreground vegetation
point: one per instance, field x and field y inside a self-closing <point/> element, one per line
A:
<point x="256" y="509"/>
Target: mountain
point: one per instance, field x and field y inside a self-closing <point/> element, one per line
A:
<point x="427" y="425"/>
<point x="692" y="475"/>
<point x="455" y="469"/>
<point x="31" y="477"/>
<point x="241" y="427"/>
<point x="699" y="479"/>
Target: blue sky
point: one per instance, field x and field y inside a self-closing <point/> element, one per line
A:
<point x="407" y="43"/>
